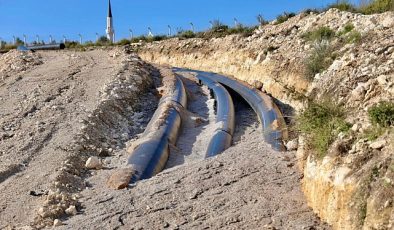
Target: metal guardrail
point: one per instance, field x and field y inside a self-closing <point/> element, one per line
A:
<point x="151" y="155"/>
<point x="225" y="118"/>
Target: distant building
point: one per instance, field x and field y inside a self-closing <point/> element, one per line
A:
<point x="110" y="25"/>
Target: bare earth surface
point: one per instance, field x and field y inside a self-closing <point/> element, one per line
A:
<point x="40" y="112"/>
<point x="249" y="186"/>
<point x="42" y="108"/>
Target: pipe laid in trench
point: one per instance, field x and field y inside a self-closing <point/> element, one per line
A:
<point x="274" y="126"/>
<point x="149" y="155"/>
<point x="225" y="118"/>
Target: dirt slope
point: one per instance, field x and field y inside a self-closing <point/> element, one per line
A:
<point x="42" y="108"/>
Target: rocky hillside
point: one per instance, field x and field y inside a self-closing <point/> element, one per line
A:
<point x="342" y="56"/>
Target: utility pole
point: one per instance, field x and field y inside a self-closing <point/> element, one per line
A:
<point x="50" y="39"/>
<point x="131" y="34"/>
<point x="192" y="26"/>
<point x="80" y="39"/>
<point x="169" y="31"/>
<point x="24" y="39"/>
<point x="64" y="39"/>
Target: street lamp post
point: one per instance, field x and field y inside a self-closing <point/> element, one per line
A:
<point x="169" y="31"/>
<point x="150" y="34"/>
<point x="210" y="22"/>
<point x="236" y="22"/>
<point x="131" y="34"/>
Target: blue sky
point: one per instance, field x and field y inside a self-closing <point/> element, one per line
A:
<point x="70" y="17"/>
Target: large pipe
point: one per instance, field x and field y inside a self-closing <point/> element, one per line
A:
<point x="151" y="152"/>
<point x="58" y="46"/>
<point x="274" y="126"/>
<point x="225" y="118"/>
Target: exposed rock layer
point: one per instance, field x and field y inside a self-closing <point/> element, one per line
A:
<point x="339" y="187"/>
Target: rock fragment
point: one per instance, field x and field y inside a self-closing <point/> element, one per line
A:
<point x="120" y="179"/>
<point x="378" y="144"/>
<point x="93" y="163"/>
<point x="292" y="145"/>
<point x="72" y="210"/>
<point x="57" y="223"/>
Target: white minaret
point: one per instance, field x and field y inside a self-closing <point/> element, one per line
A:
<point x="110" y="25"/>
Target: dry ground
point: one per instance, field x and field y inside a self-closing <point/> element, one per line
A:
<point x="40" y="112"/>
<point x="249" y="186"/>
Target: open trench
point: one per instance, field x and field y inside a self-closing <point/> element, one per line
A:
<point x="199" y="122"/>
<point x="247" y="186"/>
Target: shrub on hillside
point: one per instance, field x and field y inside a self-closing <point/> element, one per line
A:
<point x="123" y="42"/>
<point x="321" y="122"/>
<point x="319" y="60"/>
<point x="346" y="29"/>
<point x="218" y="26"/>
<point x="159" y="38"/>
<point x="217" y="30"/>
<point x="382" y="114"/>
<point x="349" y="34"/>
<point x="343" y="5"/>
<point x="103" y="40"/>
<point x="313" y="10"/>
<point x="353" y="37"/>
<point x="320" y="34"/>
<point x="72" y="44"/>
<point x="139" y="39"/>
<point x="243" y="30"/>
<point x="261" y="20"/>
<point x="186" y="34"/>
<point x="377" y="6"/>
<point x="284" y="17"/>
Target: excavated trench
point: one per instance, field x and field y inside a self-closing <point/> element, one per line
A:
<point x="245" y="187"/>
<point x="199" y="122"/>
